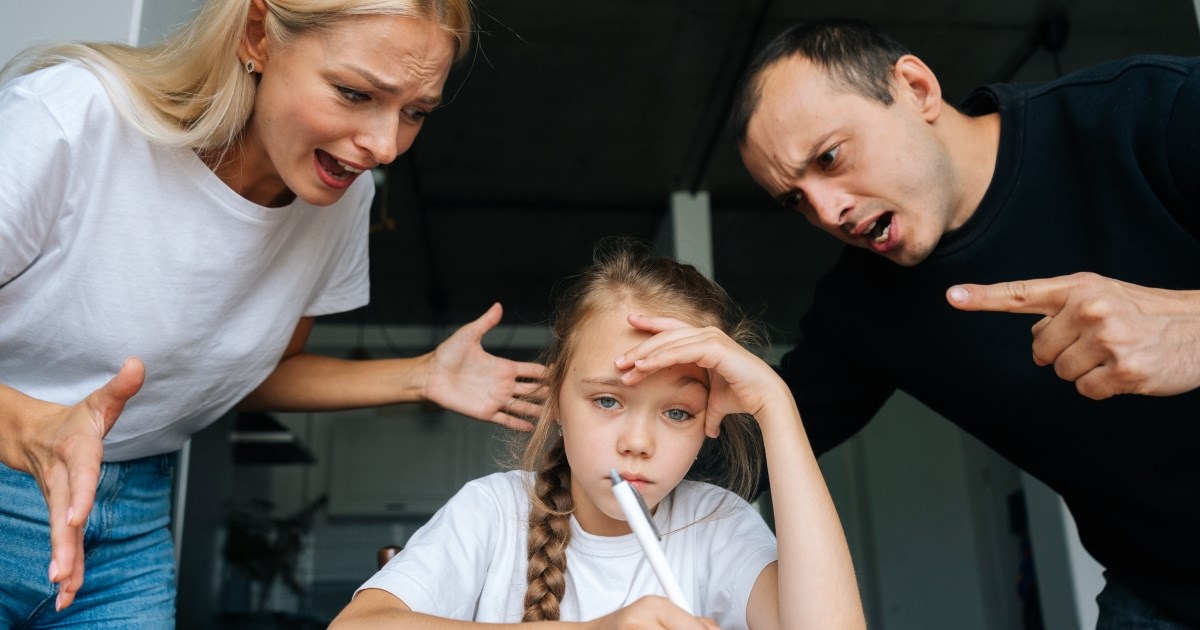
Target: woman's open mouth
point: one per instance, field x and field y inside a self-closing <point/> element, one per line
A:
<point x="334" y="172"/>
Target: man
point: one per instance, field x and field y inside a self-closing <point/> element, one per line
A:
<point x="1080" y="200"/>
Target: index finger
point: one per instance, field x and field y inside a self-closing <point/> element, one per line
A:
<point x="653" y="324"/>
<point x="1043" y="296"/>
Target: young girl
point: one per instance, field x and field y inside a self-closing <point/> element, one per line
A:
<point x="645" y="373"/>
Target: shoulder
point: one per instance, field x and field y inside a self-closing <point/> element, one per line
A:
<point x="1145" y="71"/>
<point x="698" y="500"/>
<point x="75" y="95"/>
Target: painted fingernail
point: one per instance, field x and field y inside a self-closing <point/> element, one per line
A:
<point x="959" y="294"/>
<point x="53" y="570"/>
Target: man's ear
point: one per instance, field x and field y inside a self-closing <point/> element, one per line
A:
<point x="254" y="43"/>
<point x="917" y="86"/>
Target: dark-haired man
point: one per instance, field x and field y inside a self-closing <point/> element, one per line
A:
<point x="1077" y="200"/>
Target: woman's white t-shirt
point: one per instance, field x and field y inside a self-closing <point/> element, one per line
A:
<point x="112" y="246"/>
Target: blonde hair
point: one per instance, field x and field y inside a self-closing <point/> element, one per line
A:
<point x="623" y="271"/>
<point x="190" y="91"/>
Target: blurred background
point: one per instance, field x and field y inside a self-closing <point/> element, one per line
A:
<point x="568" y="122"/>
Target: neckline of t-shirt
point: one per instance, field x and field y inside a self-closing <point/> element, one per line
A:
<point x="208" y="180"/>
<point x="617" y="546"/>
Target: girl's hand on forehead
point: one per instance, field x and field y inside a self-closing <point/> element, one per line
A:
<point x="740" y="381"/>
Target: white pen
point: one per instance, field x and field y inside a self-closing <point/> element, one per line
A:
<point x="638" y="517"/>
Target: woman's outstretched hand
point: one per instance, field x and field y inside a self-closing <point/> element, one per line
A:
<point x="741" y="381"/>
<point x="465" y="378"/>
<point x="62" y="447"/>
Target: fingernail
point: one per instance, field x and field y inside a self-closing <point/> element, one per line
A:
<point x="58" y="602"/>
<point x="620" y="360"/>
<point x="70" y="515"/>
<point x="53" y="570"/>
<point x="959" y="294"/>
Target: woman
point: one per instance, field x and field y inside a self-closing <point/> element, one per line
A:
<point x="195" y="205"/>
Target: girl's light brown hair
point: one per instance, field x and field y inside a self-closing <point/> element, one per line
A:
<point x="623" y="271"/>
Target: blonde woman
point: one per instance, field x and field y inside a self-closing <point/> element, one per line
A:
<point x="646" y="370"/>
<point x="172" y="219"/>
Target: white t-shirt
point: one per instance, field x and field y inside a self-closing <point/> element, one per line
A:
<point x="111" y="246"/>
<point x="468" y="562"/>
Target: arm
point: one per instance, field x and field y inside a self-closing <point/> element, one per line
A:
<point x="62" y="448"/>
<point x="374" y="608"/>
<point x="458" y="375"/>
<point x="813" y="584"/>
<point x="1108" y="337"/>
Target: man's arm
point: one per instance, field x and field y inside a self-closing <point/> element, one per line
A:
<point x="1108" y="337"/>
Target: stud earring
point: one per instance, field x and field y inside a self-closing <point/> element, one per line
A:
<point x="249" y="66"/>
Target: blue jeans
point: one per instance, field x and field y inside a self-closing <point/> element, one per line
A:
<point x="1122" y="609"/>
<point x="129" y="571"/>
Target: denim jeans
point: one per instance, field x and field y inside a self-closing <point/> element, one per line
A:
<point x="1122" y="609"/>
<point x="129" y="571"/>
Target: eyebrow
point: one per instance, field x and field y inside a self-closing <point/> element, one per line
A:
<point x="384" y="86"/>
<point x="781" y="198"/>
<point x="616" y="382"/>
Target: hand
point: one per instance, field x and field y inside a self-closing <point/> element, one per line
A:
<point x="741" y="382"/>
<point x="1108" y="337"/>
<point x="652" y="612"/>
<point x="463" y="377"/>
<point x="62" y="448"/>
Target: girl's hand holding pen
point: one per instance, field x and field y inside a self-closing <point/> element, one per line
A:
<point x="652" y="613"/>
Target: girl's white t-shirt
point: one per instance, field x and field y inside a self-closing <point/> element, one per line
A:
<point x="468" y="562"/>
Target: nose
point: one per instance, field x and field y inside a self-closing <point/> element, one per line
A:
<point x="829" y="207"/>
<point x="637" y="436"/>
<point x="385" y="138"/>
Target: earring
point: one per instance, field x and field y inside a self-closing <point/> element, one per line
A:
<point x="249" y="66"/>
<point x="560" y="430"/>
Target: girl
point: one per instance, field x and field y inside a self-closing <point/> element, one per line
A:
<point x="644" y="374"/>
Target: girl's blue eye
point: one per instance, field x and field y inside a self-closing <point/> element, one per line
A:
<point x="606" y="402"/>
<point x="678" y="415"/>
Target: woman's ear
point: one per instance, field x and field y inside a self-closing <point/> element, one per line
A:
<point x="918" y="87"/>
<point x="253" y="46"/>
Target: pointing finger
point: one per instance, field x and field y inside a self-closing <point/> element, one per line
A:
<point x="1045" y="296"/>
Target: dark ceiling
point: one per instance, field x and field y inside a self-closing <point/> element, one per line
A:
<point x="576" y="120"/>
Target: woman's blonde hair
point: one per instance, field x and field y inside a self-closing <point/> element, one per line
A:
<point x="623" y="271"/>
<point x="190" y="91"/>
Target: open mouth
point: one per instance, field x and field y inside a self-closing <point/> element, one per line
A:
<point x="336" y="168"/>
<point x="880" y="229"/>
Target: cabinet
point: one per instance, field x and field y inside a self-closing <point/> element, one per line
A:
<point x="405" y="460"/>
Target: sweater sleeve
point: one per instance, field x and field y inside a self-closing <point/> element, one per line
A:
<point x="837" y="386"/>
<point x="1183" y="146"/>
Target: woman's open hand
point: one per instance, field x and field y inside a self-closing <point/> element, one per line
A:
<point x="465" y="378"/>
<point x="62" y="447"/>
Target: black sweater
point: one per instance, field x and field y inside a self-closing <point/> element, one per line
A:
<point x="1097" y="171"/>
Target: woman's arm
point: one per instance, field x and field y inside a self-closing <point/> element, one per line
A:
<point x="458" y="375"/>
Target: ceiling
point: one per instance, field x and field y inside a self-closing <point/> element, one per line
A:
<point x="576" y="120"/>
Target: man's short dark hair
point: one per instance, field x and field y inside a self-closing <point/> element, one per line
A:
<point x="856" y="55"/>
